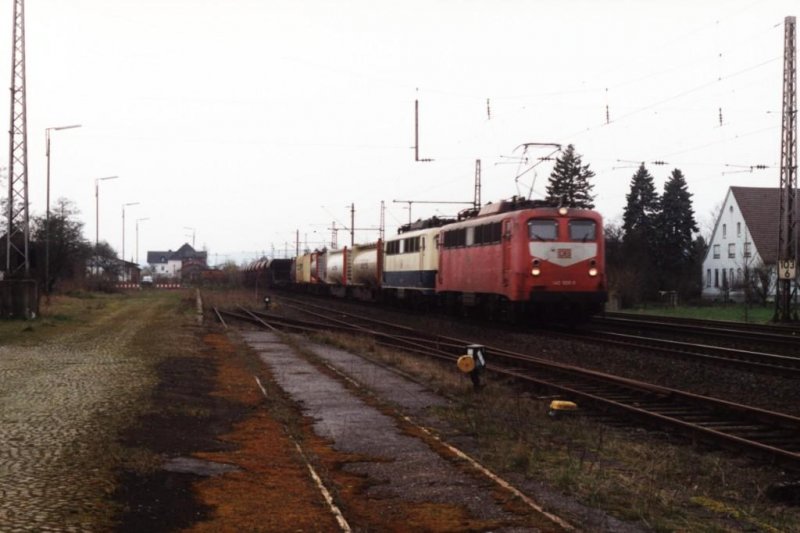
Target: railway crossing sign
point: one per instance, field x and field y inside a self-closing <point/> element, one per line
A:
<point x="787" y="269"/>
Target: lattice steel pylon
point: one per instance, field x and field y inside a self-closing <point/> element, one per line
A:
<point x="17" y="258"/>
<point x="787" y="234"/>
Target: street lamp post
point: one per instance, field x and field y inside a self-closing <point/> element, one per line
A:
<point x="123" y="226"/>
<point x="47" y="216"/>
<point x="97" y="209"/>
<point x="137" y="237"/>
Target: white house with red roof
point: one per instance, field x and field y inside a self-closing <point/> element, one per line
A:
<point x="745" y="238"/>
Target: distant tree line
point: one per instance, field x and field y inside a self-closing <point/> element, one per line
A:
<point x="655" y="250"/>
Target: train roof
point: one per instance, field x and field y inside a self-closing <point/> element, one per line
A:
<point x="540" y="210"/>
<point x="515" y="203"/>
<point x="414" y="233"/>
<point x="433" y="222"/>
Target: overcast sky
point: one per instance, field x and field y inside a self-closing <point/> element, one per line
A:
<point x="250" y="119"/>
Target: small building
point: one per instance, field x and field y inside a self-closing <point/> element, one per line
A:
<point x="742" y="251"/>
<point x="113" y="269"/>
<point x="171" y="264"/>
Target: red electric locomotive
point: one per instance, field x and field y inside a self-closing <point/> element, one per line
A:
<point x="521" y="257"/>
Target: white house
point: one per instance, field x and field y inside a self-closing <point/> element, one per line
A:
<point x="169" y="264"/>
<point x="745" y="238"/>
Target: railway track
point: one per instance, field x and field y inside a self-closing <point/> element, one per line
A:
<point x="782" y="338"/>
<point x="757" y="432"/>
<point x="747" y="360"/>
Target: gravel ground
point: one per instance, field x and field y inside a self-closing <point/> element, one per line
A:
<point x="63" y="403"/>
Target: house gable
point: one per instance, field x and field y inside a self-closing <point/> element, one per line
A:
<point x="760" y="208"/>
<point x="732" y="248"/>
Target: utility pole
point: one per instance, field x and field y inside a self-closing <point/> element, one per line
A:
<point x="416" y="134"/>
<point x="334" y="235"/>
<point x="352" y="228"/>
<point x="123" y="226"/>
<point x="477" y="202"/>
<point x="382" y="230"/>
<point x="17" y="254"/>
<point x="352" y="224"/>
<point x="194" y="230"/>
<point x="787" y="243"/>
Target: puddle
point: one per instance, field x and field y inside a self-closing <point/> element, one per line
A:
<point x="199" y="467"/>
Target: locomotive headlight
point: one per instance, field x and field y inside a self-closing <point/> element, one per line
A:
<point x="562" y="211"/>
<point x="535" y="271"/>
<point x="592" y="272"/>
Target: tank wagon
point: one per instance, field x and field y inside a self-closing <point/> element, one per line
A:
<point x="267" y="272"/>
<point x="511" y="259"/>
<point x="355" y="272"/>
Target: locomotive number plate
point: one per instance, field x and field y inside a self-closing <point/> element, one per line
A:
<point x="565" y="253"/>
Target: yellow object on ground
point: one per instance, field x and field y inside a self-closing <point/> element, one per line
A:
<point x="563" y="405"/>
<point x="466" y="363"/>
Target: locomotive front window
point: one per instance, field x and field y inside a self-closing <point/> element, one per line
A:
<point x="582" y="230"/>
<point x="542" y="230"/>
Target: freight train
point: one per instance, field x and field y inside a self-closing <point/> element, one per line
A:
<point x="511" y="259"/>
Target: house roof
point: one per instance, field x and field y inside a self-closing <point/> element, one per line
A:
<point x="101" y="261"/>
<point x="759" y="206"/>
<point x="184" y="252"/>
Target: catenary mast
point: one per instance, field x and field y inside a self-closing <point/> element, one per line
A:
<point x="17" y="257"/>
<point x="787" y="209"/>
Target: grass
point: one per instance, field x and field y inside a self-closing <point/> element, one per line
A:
<point x="733" y="312"/>
<point x="70" y="312"/>
<point x="631" y="474"/>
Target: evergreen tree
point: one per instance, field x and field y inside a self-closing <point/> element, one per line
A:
<point x="676" y="221"/>
<point x="569" y="182"/>
<point x="676" y="227"/>
<point x="643" y="205"/>
<point x="640" y="224"/>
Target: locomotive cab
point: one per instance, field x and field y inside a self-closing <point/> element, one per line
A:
<point x="566" y="257"/>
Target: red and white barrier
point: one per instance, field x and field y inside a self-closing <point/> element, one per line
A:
<point x="131" y="286"/>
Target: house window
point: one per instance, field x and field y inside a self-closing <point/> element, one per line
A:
<point x="716" y="251"/>
<point x="724" y="230"/>
<point x="708" y="277"/>
<point x="724" y="278"/>
<point x="747" y="249"/>
<point x="730" y="276"/>
<point x="732" y="250"/>
<point x="738" y="229"/>
<point x="739" y="278"/>
<point x="716" y="277"/>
